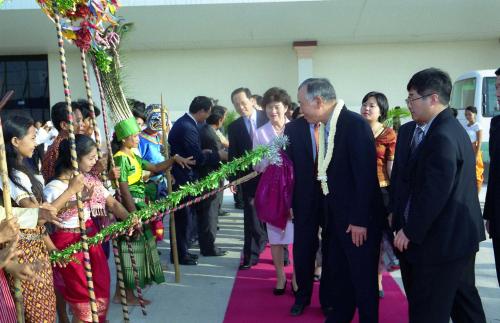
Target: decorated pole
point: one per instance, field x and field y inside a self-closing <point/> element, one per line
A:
<point x="166" y="152"/>
<point x="74" y="162"/>
<point x="116" y="254"/>
<point x="7" y="204"/>
<point x="109" y="87"/>
<point x="93" y="122"/>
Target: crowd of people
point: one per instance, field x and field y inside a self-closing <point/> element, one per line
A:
<point x="365" y="198"/>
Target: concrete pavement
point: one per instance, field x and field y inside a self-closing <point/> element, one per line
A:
<point x="203" y="293"/>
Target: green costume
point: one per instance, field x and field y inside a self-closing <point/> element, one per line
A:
<point x="143" y="246"/>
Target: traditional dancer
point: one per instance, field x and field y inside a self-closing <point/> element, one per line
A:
<point x="132" y="190"/>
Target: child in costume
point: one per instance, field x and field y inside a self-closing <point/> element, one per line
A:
<point x="96" y="197"/>
<point x="132" y="190"/>
<point x="151" y="148"/>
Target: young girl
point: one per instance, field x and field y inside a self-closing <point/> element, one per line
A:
<point x="94" y="195"/>
<point x="132" y="191"/>
<point x="26" y="190"/>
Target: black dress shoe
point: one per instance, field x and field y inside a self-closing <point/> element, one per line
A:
<point x="192" y="256"/>
<point x="223" y="213"/>
<point x="187" y="261"/>
<point x="245" y="266"/>
<point x="280" y="291"/>
<point x="216" y="253"/>
<point x="297" y="309"/>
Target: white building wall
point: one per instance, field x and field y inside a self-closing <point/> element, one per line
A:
<point x="358" y="69"/>
<point x="353" y="69"/>
<point x="180" y="75"/>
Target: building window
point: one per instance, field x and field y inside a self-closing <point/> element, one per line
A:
<point x="28" y="76"/>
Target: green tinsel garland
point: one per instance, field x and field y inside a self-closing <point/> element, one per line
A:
<point x="65" y="5"/>
<point x="102" y="59"/>
<point x="210" y="182"/>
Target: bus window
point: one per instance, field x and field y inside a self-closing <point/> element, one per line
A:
<point x="490" y="103"/>
<point x="463" y="94"/>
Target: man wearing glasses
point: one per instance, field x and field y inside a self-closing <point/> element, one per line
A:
<point x="434" y="200"/>
<point x="492" y="203"/>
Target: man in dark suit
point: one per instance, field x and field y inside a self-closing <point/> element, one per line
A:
<point x="208" y="210"/>
<point x="492" y="203"/>
<point x="436" y="209"/>
<point x="240" y="134"/>
<point x="307" y="209"/>
<point x="184" y="139"/>
<point x="351" y="201"/>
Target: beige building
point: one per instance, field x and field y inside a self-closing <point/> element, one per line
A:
<point x="185" y="48"/>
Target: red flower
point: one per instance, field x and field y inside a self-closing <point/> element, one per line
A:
<point x="83" y="38"/>
<point x="82" y="11"/>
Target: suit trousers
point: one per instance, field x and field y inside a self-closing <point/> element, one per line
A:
<point x="208" y="218"/>
<point x="496" y="250"/>
<point x="352" y="275"/>
<point x="305" y="247"/>
<point x="437" y="292"/>
<point x="255" y="236"/>
<point x="181" y="227"/>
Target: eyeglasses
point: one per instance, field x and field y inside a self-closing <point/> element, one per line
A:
<point x="408" y="100"/>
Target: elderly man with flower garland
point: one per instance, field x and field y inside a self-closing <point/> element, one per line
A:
<point x="335" y="146"/>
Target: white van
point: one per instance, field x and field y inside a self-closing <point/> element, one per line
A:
<point x="477" y="88"/>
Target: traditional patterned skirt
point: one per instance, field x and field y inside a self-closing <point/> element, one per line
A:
<point x="73" y="275"/>
<point x="39" y="299"/>
<point x="7" y="306"/>
<point x="146" y="259"/>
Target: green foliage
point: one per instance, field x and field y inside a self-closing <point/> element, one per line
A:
<point x="395" y="115"/>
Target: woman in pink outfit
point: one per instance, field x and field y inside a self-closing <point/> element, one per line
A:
<point x="275" y="102"/>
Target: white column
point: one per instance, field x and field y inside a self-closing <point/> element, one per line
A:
<point x="304" y="51"/>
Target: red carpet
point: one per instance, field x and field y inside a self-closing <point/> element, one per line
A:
<point x="252" y="299"/>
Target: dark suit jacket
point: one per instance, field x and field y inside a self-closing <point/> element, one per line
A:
<point x="184" y="139"/>
<point x="306" y="195"/>
<point x="239" y="143"/>
<point x="355" y="196"/>
<point x="209" y="140"/>
<point x="444" y="221"/>
<point x="492" y="203"/>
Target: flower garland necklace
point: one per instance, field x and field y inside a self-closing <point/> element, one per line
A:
<point x="324" y="159"/>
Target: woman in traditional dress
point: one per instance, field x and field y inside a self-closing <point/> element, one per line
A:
<point x="132" y="190"/>
<point x="276" y="102"/>
<point x="26" y="190"/>
<point x="95" y="197"/>
<point x="475" y="132"/>
<point x="374" y="109"/>
<point x="23" y="218"/>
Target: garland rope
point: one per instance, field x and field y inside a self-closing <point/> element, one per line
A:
<point x="116" y="254"/>
<point x="171" y="202"/>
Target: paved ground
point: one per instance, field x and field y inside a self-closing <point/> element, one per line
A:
<point x="203" y="293"/>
